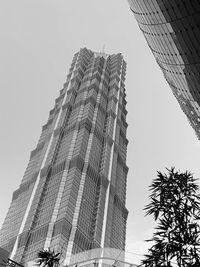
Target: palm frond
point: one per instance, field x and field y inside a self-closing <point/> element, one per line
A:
<point x="175" y="204"/>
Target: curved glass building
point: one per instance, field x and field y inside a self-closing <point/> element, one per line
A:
<point x="172" y="31"/>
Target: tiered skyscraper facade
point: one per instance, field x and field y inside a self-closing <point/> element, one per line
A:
<point x="172" y="31"/>
<point x="73" y="193"/>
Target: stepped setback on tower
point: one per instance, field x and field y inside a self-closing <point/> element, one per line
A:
<point x="73" y="193"/>
<point x="172" y="31"/>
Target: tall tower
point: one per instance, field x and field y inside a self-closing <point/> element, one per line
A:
<point x="73" y="193"/>
<point x="172" y="30"/>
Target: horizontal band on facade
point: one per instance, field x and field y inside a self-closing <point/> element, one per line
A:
<point x="28" y="238"/>
<point x="87" y="123"/>
<point x="76" y="162"/>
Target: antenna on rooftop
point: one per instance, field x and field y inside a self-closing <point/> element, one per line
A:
<point x="103" y="50"/>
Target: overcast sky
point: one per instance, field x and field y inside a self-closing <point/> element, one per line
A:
<point x="38" y="39"/>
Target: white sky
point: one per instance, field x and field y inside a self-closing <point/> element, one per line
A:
<point x="38" y="39"/>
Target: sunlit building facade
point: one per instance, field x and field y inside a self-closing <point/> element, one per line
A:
<point x="72" y="196"/>
<point x="172" y="31"/>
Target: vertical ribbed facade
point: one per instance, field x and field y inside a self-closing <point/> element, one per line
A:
<point x="172" y="31"/>
<point x="73" y="193"/>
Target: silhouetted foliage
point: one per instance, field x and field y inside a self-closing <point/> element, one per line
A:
<point x="175" y="204"/>
<point x="47" y="257"/>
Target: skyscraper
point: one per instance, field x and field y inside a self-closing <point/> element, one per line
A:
<point x="73" y="193"/>
<point x="172" y="31"/>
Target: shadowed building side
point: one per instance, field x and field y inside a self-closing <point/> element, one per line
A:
<point x="73" y="194"/>
<point x="3" y="257"/>
<point x="172" y="31"/>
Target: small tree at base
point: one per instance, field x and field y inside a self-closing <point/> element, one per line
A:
<point x="48" y="258"/>
<point x="175" y="204"/>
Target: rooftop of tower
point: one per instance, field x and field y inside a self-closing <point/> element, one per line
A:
<point x="101" y="54"/>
